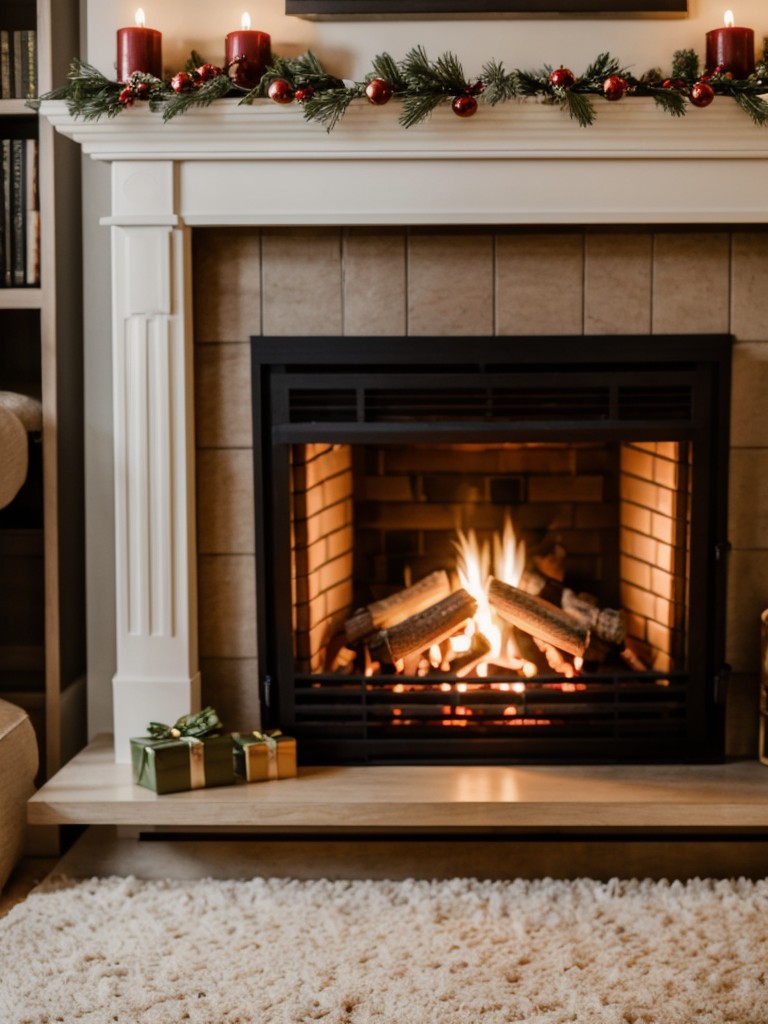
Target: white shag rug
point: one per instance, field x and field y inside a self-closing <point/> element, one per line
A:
<point x="271" y="951"/>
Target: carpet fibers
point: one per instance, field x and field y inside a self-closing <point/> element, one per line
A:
<point x="271" y="951"/>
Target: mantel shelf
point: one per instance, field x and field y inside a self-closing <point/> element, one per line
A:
<point x="230" y="131"/>
<point x="92" y="789"/>
<point x="517" y="163"/>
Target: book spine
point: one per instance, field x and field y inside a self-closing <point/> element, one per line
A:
<point x="32" y="213"/>
<point x="18" y="212"/>
<point x="31" y="65"/>
<point x="5" y="173"/>
<point x="18" y="56"/>
<point x="5" y="64"/>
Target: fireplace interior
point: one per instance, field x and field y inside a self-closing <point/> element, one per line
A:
<point x="493" y="550"/>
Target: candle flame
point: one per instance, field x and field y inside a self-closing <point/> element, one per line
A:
<point x="245" y="22"/>
<point x="141" y="21"/>
<point x="730" y="21"/>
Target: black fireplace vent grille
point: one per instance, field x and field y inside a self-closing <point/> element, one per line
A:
<point x="441" y="400"/>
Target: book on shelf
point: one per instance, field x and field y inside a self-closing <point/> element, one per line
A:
<point x="19" y="214"/>
<point x="18" y="64"/>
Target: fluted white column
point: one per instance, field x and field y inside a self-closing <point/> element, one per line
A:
<point x="157" y="676"/>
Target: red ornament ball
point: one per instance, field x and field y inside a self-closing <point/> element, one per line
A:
<point x="379" y="91"/>
<point x="126" y="97"/>
<point x="464" y="106"/>
<point x="702" y="94"/>
<point x="181" y="82"/>
<point x="208" y="71"/>
<point x="281" y="91"/>
<point x="304" y="93"/>
<point x="615" y="87"/>
<point x="562" y="78"/>
<point x="142" y="90"/>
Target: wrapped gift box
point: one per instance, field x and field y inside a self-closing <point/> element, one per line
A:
<point x="167" y="766"/>
<point x="261" y="756"/>
<point x="183" y="756"/>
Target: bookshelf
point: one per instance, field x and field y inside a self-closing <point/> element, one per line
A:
<point x="42" y="617"/>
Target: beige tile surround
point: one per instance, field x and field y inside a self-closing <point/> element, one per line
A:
<point x="457" y="282"/>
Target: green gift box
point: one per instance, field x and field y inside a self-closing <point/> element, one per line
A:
<point x="261" y="756"/>
<point x="187" y="755"/>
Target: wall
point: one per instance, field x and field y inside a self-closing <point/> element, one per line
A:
<point x="346" y="49"/>
<point x="513" y="282"/>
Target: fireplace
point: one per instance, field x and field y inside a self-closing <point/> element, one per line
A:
<point x="586" y="476"/>
<point x="562" y="230"/>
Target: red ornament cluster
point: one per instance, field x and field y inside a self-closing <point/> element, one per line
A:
<point x="281" y="91"/>
<point x="184" y="81"/>
<point x="134" y="90"/>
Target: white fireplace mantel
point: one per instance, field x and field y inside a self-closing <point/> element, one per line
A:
<point x="518" y="163"/>
<point x="228" y="164"/>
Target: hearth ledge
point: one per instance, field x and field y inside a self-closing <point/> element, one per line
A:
<point x="724" y="798"/>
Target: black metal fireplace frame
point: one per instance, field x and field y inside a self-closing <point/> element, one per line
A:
<point x="689" y="376"/>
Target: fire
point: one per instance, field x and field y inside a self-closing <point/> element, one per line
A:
<point x="475" y="565"/>
<point x="730" y="21"/>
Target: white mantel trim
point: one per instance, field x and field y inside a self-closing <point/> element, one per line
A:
<point x="635" y="129"/>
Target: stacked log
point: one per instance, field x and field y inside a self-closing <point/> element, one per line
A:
<point x="544" y="621"/>
<point x="420" y="631"/>
<point x="397" y="607"/>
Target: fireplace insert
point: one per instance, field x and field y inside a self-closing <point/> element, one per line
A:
<point x="493" y="550"/>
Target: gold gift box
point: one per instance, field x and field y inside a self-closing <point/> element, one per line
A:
<point x="263" y="756"/>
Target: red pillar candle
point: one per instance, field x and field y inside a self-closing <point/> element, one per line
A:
<point x="256" y="49"/>
<point x="139" y="49"/>
<point x="731" y="49"/>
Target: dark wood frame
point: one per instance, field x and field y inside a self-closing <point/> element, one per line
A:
<point x="475" y="8"/>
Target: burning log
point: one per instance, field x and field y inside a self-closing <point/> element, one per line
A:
<point x="420" y="631"/>
<point x="605" y="623"/>
<point x="479" y="649"/>
<point x="398" y="607"/>
<point x="542" y="620"/>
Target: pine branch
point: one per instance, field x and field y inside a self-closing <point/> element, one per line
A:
<point x="421" y="76"/>
<point x="418" y="108"/>
<point x="450" y="73"/>
<point x="303" y="70"/>
<point x="173" y="104"/>
<point x="670" y="101"/>
<point x="578" y="105"/>
<point x="529" y="83"/>
<point x="500" y="87"/>
<point x="416" y="69"/>
<point x="752" y="104"/>
<point x="685" y="65"/>
<point x="329" y="106"/>
<point x="384" y="66"/>
<point x="88" y="93"/>
<point x="601" y="67"/>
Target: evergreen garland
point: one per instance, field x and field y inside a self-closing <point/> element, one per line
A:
<point x="418" y="83"/>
